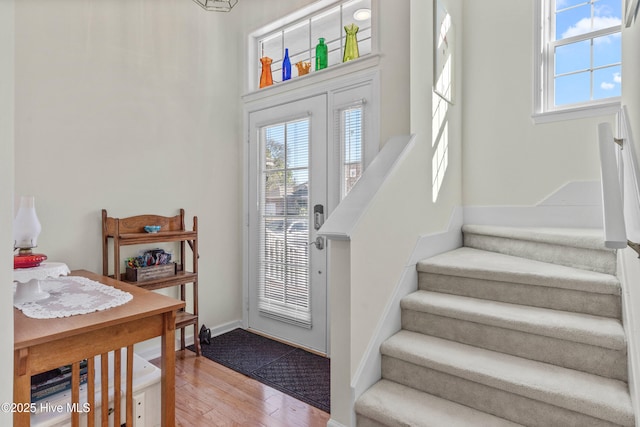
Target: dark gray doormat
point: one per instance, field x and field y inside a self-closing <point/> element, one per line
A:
<point x="298" y="373"/>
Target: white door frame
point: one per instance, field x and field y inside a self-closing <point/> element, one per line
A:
<point x="314" y="110"/>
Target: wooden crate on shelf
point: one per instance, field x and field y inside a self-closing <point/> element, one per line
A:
<point x="149" y="273"/>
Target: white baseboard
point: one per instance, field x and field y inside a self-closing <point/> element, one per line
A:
<point x="369" y="370"/>
<point x="334" y="423"/>
<point x="154" y="351"/>
<point x="225" y="327"/>
<point x="575" y="204"/>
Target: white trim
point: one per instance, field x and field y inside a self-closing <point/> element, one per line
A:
<point x="577" y="112"/>
<point x="329" y="81"/>
<point x="575" y="204"/>
<point x="334" y="423"/>
<point x="543" y="79"/>
<point x="369" y="369"/>
<point x="156" y="351"/>
<point x="322" y="77"/>
<point x="292" y="19"/>
<point x="629" y="274"/>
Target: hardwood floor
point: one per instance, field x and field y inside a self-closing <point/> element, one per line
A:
<point x="209" y="394"/>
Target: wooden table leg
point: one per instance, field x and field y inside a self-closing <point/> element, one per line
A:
<point x="21" y="389"/>
<point x="168" y="366"/>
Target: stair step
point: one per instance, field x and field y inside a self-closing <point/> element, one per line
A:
<point x="392" y="404"/>
<point x="573" y="340"/>
<point x="494" y="276"/>
<point x="580" y="248"/>
<point x="582" y="328"/>
<point x="515" y="380"/>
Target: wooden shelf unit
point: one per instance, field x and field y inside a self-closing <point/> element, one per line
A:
<point x="130" y="231"/>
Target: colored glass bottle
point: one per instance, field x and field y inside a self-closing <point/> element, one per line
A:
<point x="286" y="66"/>
<point x="265" y="77"/>
<point x="303" y="67"/>
<point x="322" y="55"/>
<point x="351" y="45"/>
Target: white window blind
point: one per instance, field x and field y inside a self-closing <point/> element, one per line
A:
<point x="350" y="135"/>
<point x="283" y="279"/>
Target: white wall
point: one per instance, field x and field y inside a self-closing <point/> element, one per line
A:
<point x="631" y="84"/>
<point x="507" y="159"/>
<point x="630" y="271"/>
<point x="404" y="208"/>
<point x="394" y="43"/>
<point x="131" y="106"/>
<point x="6" y="202"/>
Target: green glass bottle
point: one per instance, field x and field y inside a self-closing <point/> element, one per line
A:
<point x="351" y="45"/>
<point x="322" y="55"/>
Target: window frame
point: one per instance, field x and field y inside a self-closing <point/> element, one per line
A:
<point x="292" y="20"/>
<point x="544" y="70"/>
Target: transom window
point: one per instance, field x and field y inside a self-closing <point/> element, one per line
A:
<point x="580" y="56"/>
<point x="301" y="36"/>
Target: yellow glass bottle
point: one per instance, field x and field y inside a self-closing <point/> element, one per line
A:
<point x="351" y="46"/>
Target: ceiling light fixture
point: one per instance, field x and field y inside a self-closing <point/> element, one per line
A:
<point x="217" y="5"/>
<point x="362" y="14"/>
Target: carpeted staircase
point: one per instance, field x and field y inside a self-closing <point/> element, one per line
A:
<point x="518" y="327"/>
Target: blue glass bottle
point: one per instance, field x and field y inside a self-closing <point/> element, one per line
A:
<point x="286" y="66"/>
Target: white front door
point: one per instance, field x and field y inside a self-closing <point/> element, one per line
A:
<point x="287" y="203"/>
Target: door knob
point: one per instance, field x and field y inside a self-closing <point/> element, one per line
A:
<point x="319" y="243"/>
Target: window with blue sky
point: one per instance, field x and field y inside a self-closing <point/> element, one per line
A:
<point x="584" y="54"/>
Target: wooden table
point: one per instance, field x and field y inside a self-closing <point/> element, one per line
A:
<point x="42" y="345"/>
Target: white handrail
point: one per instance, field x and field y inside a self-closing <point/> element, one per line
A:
<point x="620" y="185"/>
<point x="615" y="233"/>
<point x="630" y="178"/>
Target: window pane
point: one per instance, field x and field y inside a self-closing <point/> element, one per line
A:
<point x="298" y="144"/>
<point x="364" y="41"/>
<point x="607" y="50"/>
<point x="284" y="223"/>
<point x="563" y="4"/>
<point x="573" y="57"/>
<point x="296" y="39"/>
<point x="351" y="142"/>
<point x="324" y="25"/>
<point x="364" y="26"/>
<point x="274" y="147"/>
<point x="572" y="88"/>
<point x="609" y="8"/>
<point x="607" y="82"/>
<point x="572" y="22"/>
<point x="271" y="47"/>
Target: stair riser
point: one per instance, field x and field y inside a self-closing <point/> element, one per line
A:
<point x="606" y="305"/>
<point x="587" y="259"/>
<point x="588" y="358"/>
<point x="494" y="401"/>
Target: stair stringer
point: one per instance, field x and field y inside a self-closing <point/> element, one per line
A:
<point x="370" y="368"/>
<point x="629" y="276"/>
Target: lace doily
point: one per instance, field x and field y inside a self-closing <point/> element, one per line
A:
<point x="73" y="295"/>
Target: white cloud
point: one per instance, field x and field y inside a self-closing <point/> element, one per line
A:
<point x="584" y="25"/>
<point x="617" y="77"/>
<point x="607" y="85"/>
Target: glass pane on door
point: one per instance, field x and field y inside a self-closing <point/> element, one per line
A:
<point x="283" y="279"/>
